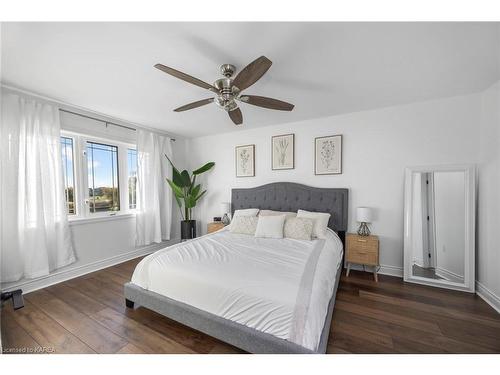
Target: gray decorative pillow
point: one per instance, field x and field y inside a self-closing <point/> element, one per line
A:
<point x="298" y="228"/>
<point x="244" y="225"/>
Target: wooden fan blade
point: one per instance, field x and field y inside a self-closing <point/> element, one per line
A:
<point x="270" y="103"/>
<point x="185" y="77"/>
<point x="192" y="105"/>
<point x="252" y="73"/>
<point x="236" y="116"/>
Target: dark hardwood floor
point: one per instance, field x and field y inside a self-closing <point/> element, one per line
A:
<point x="88" y="315"/>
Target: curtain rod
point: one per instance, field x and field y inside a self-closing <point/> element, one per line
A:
<point x="26" y="92"/>
<point x="106" y="122"/>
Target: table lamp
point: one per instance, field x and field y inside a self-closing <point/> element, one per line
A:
<point x="225" y="207"/>
<point x="364" y="216"/>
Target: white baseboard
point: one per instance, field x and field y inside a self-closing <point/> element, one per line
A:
<point x="391" y="270"/>
<point x="488" y="296"/>
<point x="70" y="273"/>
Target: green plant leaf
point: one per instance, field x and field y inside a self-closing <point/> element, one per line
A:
<point x="176" y="189"/>
<point x="186" y="178"/>
<point x="190" y="201"/>
<point x="193" y="180"/>
<point x="194" y="191"/>
<point x="176" y="177"/>
<point x="201" y="194"/>
<point x="205" y="168"/>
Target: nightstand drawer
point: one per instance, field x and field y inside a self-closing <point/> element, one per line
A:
<point x="362" y="257"/>
<point x="362" y="250"/>
<point x="363" y="242"/>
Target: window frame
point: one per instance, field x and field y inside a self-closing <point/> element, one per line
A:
<point x="80" y="168"/>
<point x="75" y="188"/>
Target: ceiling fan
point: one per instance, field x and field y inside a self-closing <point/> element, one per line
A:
<point x="228" y="90"/>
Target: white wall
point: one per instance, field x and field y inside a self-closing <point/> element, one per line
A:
<point x="377" y="146"/>
<point x="488" y="233"/>
<point x="449" y="211"/>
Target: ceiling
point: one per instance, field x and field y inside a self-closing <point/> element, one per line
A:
<point x="322" y="68"/>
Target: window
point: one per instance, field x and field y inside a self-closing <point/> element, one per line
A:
<point x="132" y="177"/>
<point x="68" y="174"/>
<point x="102" y="165"/>
<point x="100" y="176"/>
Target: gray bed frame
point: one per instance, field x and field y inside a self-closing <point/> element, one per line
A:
<point x="280" y="196"/>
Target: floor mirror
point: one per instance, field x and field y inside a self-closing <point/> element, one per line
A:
<point x="439" y="226"/>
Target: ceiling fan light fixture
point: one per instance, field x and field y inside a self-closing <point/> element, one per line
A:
<point x="225" y="104"/>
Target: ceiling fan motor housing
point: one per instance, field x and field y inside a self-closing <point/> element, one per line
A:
<point x="227" y="93"/>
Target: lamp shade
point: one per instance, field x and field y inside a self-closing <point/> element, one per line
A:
<point x="364" y="214"/>
<point x="225" y="207"/>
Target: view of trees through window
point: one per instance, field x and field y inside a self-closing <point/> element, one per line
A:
<point x="68" y="173"/>
<point x="104" y="193"/>
<point x="132" y="177"/>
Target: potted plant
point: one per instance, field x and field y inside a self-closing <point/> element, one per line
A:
<point x="187" y="193"/>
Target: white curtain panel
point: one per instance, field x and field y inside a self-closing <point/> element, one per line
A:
<point x="154" y="196"/>
<point x="35" y="235"/>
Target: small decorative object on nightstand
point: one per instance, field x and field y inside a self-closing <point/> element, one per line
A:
<point x="364" y="216"/>
<point x="225" y="207"/>
<point x="215" y="226"/>
<point x="362" y="250"/>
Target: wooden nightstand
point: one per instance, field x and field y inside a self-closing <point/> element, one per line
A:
<point x="362" y="250"/>
<point x="214" y="226"/>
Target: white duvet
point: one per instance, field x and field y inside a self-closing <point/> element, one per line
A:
<point x="278" y="286"/>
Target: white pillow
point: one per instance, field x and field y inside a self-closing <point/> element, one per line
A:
<point x="245" y="212"/>
<point x="270" y="226"/>
<point x="244" y="225"/>
<point x="276" y="213"/>
<point x="298" y="228"/>
<point x="320" y="222"/>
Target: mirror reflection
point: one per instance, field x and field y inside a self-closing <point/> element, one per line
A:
<point x="438" y="225"/>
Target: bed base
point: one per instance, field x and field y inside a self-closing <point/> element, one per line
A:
<point x="236" y="334"/>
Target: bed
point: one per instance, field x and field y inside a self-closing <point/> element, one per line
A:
<point x="261" y="295"/>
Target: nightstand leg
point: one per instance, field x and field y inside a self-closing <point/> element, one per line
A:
<point x="348" y="268"/>
<point x="375" y="274"/>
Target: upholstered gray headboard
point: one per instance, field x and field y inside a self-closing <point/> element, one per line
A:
<point x="288" y="196"/>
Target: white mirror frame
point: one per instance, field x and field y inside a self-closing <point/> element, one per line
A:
<point x="470" y="220"/>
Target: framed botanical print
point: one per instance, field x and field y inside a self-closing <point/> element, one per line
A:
<point x="328" y="155"/>
<point x="283" y="151"/>
<point x="245" y="161"/>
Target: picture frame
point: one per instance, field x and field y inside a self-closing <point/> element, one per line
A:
<point x="283" y="152"/>
<point x="328" y="155"/>
<point x="245" y="161"/>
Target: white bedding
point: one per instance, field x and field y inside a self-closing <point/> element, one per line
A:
<point x="278" y="286"/>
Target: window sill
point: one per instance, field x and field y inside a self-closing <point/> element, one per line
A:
<point x="97" y="219"/>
